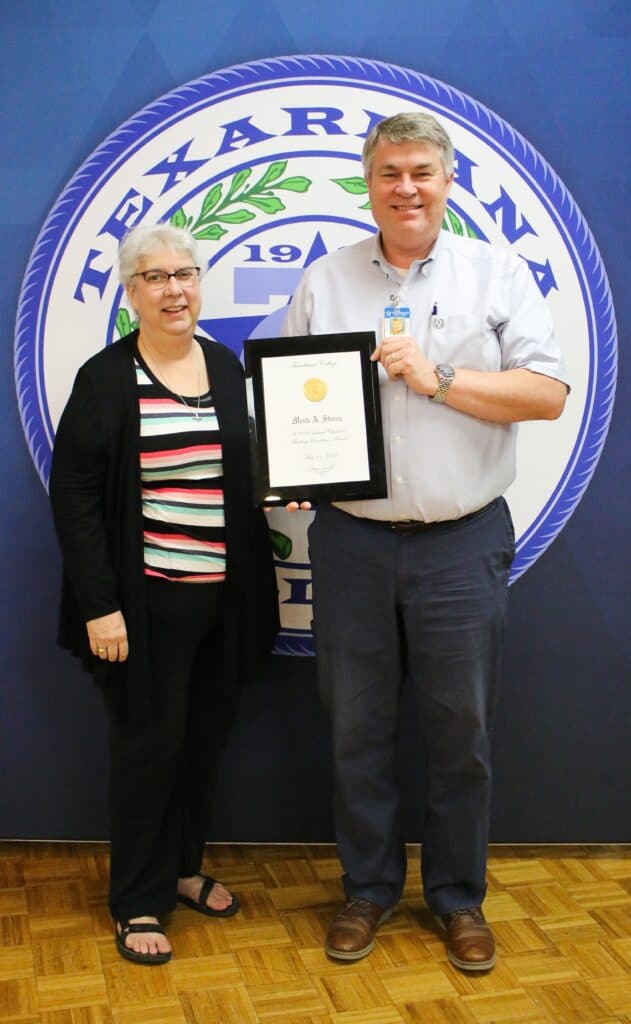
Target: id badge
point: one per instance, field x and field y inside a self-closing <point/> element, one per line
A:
<point x="396" y="321"/>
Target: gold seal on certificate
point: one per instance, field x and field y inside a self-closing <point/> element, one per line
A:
<point x="315" y="389"/>
<point x="315" y="418"/>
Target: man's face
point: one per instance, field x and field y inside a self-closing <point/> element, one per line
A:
<point x="408" y="194"/>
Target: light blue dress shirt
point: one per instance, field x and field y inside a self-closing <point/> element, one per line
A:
<point x="441" y="464"/>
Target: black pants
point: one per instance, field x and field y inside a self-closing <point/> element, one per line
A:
<point x="162" y="772"/>
<point x="430" y="607"/>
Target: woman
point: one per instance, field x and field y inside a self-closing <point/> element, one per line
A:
<point x="169" y="590"/>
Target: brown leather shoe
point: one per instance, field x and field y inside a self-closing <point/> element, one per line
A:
<point x="351" y="933"/>
<point x="470" y="942"/>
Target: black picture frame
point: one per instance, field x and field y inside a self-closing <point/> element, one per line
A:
<point x="270" y="406"/>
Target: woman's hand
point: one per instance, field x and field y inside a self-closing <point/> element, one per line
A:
<point x="108" y="637"/>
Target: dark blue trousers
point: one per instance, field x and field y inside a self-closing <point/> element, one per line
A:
<point x="429" y="606"/>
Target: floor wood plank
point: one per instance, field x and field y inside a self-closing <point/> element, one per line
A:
<point x="561" y="916"/>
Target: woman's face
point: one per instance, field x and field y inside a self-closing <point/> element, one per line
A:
<point x="171" y="308"/>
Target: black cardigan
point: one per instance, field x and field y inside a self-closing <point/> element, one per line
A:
<point x="95" y="492"/>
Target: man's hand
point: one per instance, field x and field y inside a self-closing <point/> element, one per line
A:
<point x="108" y="637"/>
<point x="400" y="356"/>
<point x="503" y="396"/>
<point x="293" y="506"/>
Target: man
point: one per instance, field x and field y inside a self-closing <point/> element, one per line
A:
<point x="415" y="585"/>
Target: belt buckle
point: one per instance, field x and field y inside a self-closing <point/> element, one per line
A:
<point x="406" y="526"/>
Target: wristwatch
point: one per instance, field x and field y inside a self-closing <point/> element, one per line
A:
<point x="445" y="374"/>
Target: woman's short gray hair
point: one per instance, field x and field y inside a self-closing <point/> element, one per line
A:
<point x="145" y="239"/>
<point x="410" y="127"/>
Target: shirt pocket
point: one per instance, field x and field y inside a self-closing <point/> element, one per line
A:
<point x="465" y="340"/>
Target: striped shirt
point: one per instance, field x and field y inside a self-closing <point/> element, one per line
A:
<point x="181" y="473"/>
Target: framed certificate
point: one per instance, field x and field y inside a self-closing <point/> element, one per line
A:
<point x="315" y="418"/>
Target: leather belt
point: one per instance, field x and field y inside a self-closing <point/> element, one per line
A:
<point x="410" y="526"/>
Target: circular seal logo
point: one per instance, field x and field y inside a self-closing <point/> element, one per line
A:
<point x="261" y="162"/>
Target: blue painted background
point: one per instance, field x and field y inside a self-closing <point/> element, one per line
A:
<point x="558" y="72"/>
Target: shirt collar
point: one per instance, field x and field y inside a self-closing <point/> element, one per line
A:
<point x="418" y="266"/>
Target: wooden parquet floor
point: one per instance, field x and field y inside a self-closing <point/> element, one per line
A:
<point x="561" y="915"/>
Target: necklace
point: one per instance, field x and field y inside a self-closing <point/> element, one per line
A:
<point x="193" y="410"/>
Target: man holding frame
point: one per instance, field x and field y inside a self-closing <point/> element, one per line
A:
<point x="413" y="587"/>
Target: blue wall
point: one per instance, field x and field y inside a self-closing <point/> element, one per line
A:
<point x="72" y="73"/>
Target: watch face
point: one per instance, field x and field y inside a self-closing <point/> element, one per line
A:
<point x="445" y="371"/>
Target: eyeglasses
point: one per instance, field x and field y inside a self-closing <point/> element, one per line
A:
<point x="186" y="276"/>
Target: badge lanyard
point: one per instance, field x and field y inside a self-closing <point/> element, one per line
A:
<point x="396" y="318"/>
<point x="396" y="321"/>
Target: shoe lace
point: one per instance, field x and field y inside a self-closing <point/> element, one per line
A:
<point x="361" y="904"/>
<point x="474" y="912"/>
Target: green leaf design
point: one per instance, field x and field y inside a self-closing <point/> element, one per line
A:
<point x="238" y="217"/>
<point x="356" y="186"/>
<point x="124" y="323"/>
<point x="471" y="232"/>
<point x="454" y="223"/>
<point x="210" y="234"/>
<point x="365" y="206"/>
<point x="273" y="172"/>
<point x="281" y="544"/>
<point x="239" y="179"/>
<point x="210" y="201"/>
<point x="178" y="220"/>
<point x="215" y="209"/>
<point x="297" y="184"/>
<point x="268" y="205"/>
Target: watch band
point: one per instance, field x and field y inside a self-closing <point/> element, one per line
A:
<point x="445" y="374"/>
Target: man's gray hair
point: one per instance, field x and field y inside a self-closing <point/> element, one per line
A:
<point x="410" y="127"/>
<point x="147" y="239"/>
